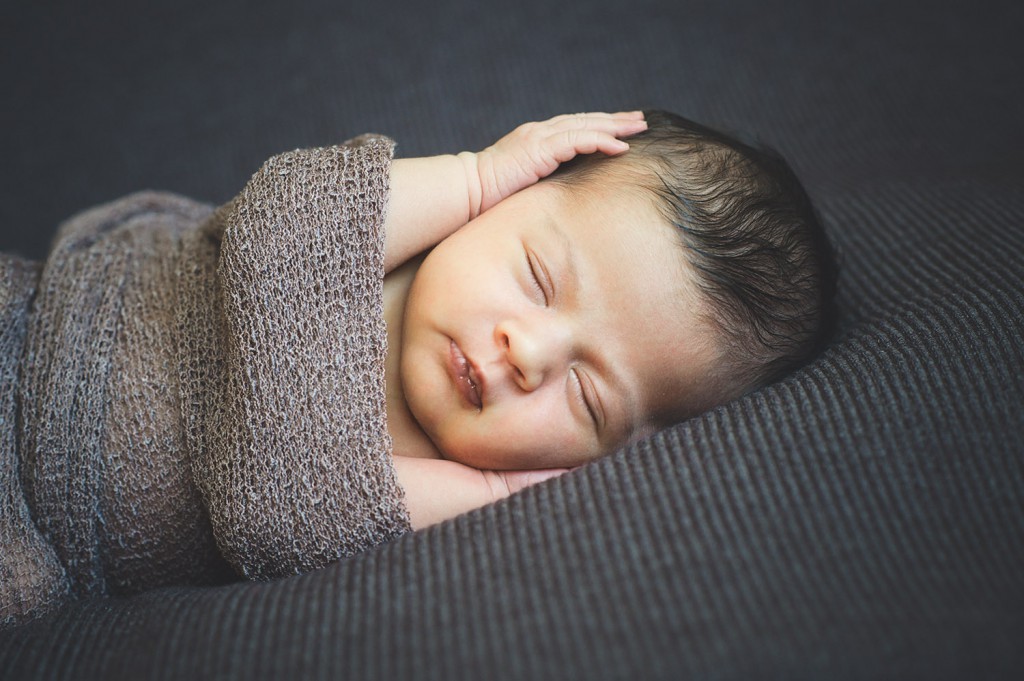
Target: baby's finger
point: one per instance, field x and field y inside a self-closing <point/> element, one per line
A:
<point x="613" y="124"/>
<point x="518" y="480"/>
<point x="570" y="143"/>
<point x="598" y="115"/>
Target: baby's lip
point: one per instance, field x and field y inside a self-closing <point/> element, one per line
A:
<point x="468" y="380"/>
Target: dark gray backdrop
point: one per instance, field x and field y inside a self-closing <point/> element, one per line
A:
<point x="108" y="97"/>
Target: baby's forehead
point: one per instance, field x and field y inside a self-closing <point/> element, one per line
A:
<point x="610" y="183"/>
<point x="606" y="196"/>
<point x="633" y="266"/>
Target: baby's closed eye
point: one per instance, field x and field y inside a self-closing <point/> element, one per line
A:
<point x="539" y="277"/>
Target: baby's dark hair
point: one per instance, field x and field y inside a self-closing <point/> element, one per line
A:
<point x="750" y="233"/>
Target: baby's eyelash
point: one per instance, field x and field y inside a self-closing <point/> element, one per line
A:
<point x="582" y="394"/>
<point x="537" y="282"/>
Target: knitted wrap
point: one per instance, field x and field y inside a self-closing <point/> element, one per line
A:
<point x="201" y="390"/>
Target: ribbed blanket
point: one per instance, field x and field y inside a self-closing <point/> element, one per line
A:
<point x="190" y="393"/>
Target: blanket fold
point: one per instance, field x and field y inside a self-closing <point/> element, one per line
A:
<point x="202" y="388"/>
<point x="301" y="271"/>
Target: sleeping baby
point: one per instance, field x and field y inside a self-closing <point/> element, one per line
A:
<point x="633" y="288"/>
<point x="355" y="346"/>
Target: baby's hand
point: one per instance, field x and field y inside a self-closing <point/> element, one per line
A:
<point x="504" y="483"/>
<point x="534" y="150"/>
<point x="437" y="489"/>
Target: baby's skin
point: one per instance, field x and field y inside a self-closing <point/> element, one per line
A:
<point x="533" y="337"/>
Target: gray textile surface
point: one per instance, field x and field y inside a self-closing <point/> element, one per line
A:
<point x="31" y="575"/>
<point x="860" y="520"/>
<point x="200" y="386"/>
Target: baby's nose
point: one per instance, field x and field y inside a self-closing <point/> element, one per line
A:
<point x="534" y="351"/>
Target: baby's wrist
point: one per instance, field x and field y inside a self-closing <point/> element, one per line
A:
<point x="474" y="187"/>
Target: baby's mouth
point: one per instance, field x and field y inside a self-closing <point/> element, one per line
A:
<point x="465" y="376"/>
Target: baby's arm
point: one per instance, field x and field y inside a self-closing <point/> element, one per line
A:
<point x="436" y="489"/>
<point x="432" y="197"/>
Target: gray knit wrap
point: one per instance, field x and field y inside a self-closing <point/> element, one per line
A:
<point x="199" y="390"/>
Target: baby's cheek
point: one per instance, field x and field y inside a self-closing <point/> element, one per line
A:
<point x="516" y="436"/>
<point x="548" y="440"/>
<point x="478" y="441"/>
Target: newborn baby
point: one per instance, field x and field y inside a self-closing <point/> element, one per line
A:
<point x="631" y="289"/>
<point x="198" y="394"/>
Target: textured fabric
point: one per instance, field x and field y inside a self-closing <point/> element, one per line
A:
<point x="103" y="465"/>
<point x="860" y="520"/>
<point x="294" y="457"/>
<point x="203" y="386"/>
<point x="31" y="577"/>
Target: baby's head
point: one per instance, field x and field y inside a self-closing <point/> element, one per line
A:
<point x="748" y="234"/>
<point x="620" y="295"/>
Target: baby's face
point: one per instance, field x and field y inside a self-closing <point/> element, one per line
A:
<point x="549" y="331"/>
